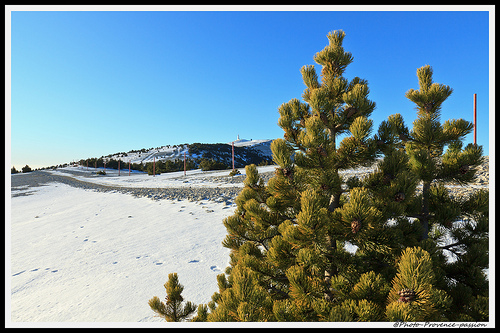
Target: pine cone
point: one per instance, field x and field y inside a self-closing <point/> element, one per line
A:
<point x="322" y="151"/>
<point x="351" y="111"/>
<point x="355" y="226"/>
<point x="288" y="172"/>
<point x="290" y="135"/>
<point x="302" y="122"/>
<point x="464" y="169"/>
<point x="323" y="118"/>
<point x="428" y="107"/>
<point x="403" y="137"/>
<point x="406" y="295"/>
<point x="387" y="178"/>
<point x="400" y="196"/>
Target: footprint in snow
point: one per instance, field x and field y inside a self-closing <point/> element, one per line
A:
<point x="21" y="272"/>
<point x="193" y="261"/>
<point x="215" y="268"/>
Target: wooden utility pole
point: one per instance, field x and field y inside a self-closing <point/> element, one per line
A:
<point x="475" y="119"/>
<point x="233" y="152"/>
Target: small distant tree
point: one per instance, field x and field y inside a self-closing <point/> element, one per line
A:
<point x="13" y="170"/>
<point x="26" y="168"/>
<point x="172" y="309"/>
<point x="206" y="165"/>
<point x="153" y="168"/>
<point x="234" y="172"/>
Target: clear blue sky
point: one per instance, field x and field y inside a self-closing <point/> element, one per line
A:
<point x="92" y="83"/>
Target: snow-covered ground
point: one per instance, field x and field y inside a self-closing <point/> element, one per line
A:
<point x="85" y="256"/>
<point x="193" y="178"/>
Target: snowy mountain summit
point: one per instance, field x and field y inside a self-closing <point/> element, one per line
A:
<point x="246" y="151"/>
<point x="262" y="146"/>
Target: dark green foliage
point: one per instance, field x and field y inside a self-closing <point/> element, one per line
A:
<point x="207" y="165"/>
<point x="13" y="170"/>
<point x="222" y="153"/>
<point x="26" y="168"/>
<point x="154" y="168"/>
<point x="311" y="245"/>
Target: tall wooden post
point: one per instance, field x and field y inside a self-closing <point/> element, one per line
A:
<point x="184" y="162"/>
<point x="233" y="153"/>
<point x="118" y="167"/>
<point x="129" y="168"/>
<point x="475" y="119"/>
<point x="154" y="166"/>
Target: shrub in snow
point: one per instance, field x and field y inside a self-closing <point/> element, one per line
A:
<point x="172" y="309"/>
<point x="234" y="172"/>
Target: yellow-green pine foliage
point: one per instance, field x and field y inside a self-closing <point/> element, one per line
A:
<point x="289" y="238"/>
<point x="413" y="296"/>
<point x="172" y="309"/>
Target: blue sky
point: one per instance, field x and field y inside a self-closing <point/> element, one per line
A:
<point x="92" y="83"/>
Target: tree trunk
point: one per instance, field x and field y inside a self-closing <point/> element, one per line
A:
<point x="424" y="221"/>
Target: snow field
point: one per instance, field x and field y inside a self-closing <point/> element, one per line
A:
<point x="193" y="178"/>
<point x="85" y="256"/>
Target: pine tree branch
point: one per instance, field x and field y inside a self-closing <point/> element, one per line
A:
<point x="447" y="247"/>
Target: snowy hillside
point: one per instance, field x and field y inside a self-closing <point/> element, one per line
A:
<point x="177" y="152"/>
